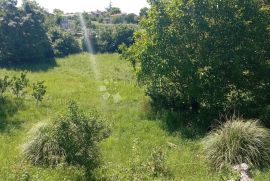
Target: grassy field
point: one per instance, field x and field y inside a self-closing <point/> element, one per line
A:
<point x="116" y="95"/>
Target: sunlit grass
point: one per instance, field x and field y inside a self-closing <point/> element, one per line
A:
<point x="73" y="79"/>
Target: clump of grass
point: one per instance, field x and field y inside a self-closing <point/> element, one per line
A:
<point x="238" y="141"/>
<point x="43" y="148"/>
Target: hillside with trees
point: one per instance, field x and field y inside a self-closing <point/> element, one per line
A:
<point x="180" y="91"/>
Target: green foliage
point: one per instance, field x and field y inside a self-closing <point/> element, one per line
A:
<point x="144" y="12"/>
<point x="23" y="34"/>
<point x="115" y="10"/>
<point x="39" y="91"/>
<point x="63" y="42"/>
<point x="125" y="19"/>
<point x="107" y="38"/>
<point x="72" y="138"/>
<point x="19" y="84"/>
<point x="130" y="119"/>
<point x="157" y="163"/>
<point x="205" y="57"/>
<point x="4" y="85"/>
<point x="238" y="141"/>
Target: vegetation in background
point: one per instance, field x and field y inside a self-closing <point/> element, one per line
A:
<point x="205" y="57"/>
<point x="63" y="42"/>
<point x="238" y="141"/>
<point x="108" y="38"/>
<point x="23" y="34"/>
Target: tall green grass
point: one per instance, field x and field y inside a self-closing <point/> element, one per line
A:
<point x="72" y="78"/>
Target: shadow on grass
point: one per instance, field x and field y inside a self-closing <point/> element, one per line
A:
<point x="8" y="108"/>
<point x="33" y="67"/>
<point x="186" y="123"/>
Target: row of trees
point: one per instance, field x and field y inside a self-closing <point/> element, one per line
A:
<point x="29" y="34"/>
<point x="18" y="87"/>
<point x="206" y="57"/>
<point x="22" y="33"/>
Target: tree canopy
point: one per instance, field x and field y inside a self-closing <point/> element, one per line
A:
<point x="205" y="56"/>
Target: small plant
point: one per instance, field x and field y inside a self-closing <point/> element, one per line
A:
<point x="19" y="84"/>
<point x="39" y="91"/>
<point x="72" y="139"/>
<point x="157" y="162"/>
<point x="238" y="141"/>
<point x="4" y="84"/>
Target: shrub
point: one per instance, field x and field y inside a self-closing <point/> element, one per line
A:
<point x="39" y="90"/>
<point x="72" y="138"/>
<point x="108" y="38"/>
<point x="19" y="84"/>
<point x="4" y="84"/>
<point x="63" y="42"/>
<point x="238" y="141"/>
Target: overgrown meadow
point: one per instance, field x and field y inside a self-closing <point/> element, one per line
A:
<point x="136" y="133"/>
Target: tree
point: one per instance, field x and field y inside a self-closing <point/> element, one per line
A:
<point x="144" y="12"/>
<point x="115" y="10"/>
<point x="205" y="57"/>
<point x="39" y="91"/>
<point x="23" y="35"/>
<point x="58" y="15"/>
<point x="63" y="42"/>
<point x="132" y="18"/>
<point x="19" y="84"/>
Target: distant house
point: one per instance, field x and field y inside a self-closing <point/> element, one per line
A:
<point x="97" y="13"/>
<point x="117" y="15"/>
<point x="64" y="23"/>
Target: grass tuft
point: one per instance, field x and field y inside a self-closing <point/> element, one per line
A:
<point x="238" y="141"/>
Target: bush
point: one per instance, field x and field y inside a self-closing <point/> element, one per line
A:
<point x="108" y="38"/>
<point x="238" y="141"/>
<point x="72" y="138"/>
<point x="63" y="42"/>
<point x="39" y="91"/>
<point x="19" y="84"/>
<point x="4" y="85"/>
